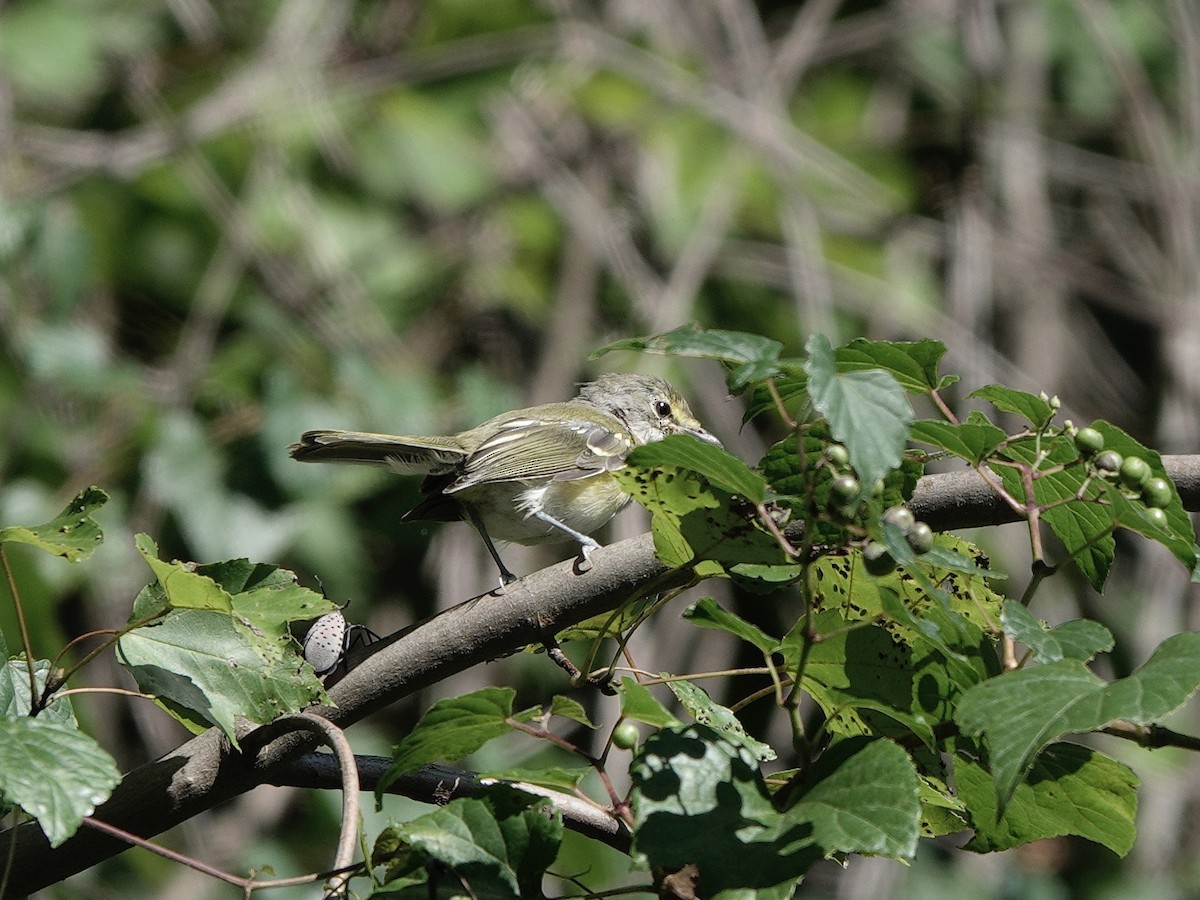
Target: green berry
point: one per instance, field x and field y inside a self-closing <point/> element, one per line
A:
<point x="1157" y="516"/>
<point x="1134" y="470"/>
<point x="837" y="455"/>
<point x="920" y="538"/>
<point x="845" y="487"/>
<point x="1108" y="462"/>
<point x="1156" y="493"/>
<point x="877" y="488"/>
<point x="901" y="517"/>
<point x="1089" y="441"/>
<point x="877" y="559"/>
<point x="626" y="735"/>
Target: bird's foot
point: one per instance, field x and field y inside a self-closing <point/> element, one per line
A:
<point x="583" y="563"/>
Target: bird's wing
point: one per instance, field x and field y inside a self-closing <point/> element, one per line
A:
<point x="530" y="448"/>
<point x="405" y="455"/>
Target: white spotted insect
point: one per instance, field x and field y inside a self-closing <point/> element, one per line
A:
<point x="330" y="638"/>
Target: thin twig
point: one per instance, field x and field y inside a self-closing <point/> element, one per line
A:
<point x="24" y="628"/>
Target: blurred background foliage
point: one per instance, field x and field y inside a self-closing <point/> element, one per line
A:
<point x="224" y="223"/>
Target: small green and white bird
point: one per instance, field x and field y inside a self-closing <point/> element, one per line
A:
<point x="531" y="476"/>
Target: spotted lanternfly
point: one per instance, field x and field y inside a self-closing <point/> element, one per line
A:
<point x="330" y="639"/>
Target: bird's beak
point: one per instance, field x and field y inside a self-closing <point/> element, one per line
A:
<point x="698" y="432"/>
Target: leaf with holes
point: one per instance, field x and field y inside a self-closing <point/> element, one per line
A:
<point x="72" y="534"/>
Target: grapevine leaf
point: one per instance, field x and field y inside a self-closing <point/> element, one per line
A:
<point x="866" y="410"/>
<point x="1022" y="711"/>
<point x="638" y="703"/>
<point x="1070" y="789"/>
<point x="72" y="534"/>
<point x="707" y="711"/>
<point x="497" y="845"/>
<point x="1078" y="639"/>
<point x="913" y="364"/>
<point x="54" y="772"/>
<point x="452" y="729"/>
<point x="972" y="441"/>
<point x="720" y="469"/>
<point x="707" y="613"/>
<point x="1032" y="408"/>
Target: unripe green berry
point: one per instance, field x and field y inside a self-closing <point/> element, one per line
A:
<point x="1157" y="516"/>
<point x="877" y="559"/>
<point x="626" y="735"/>
<point x="1134" y="470"/>
<point x="1108" y="462"/>
<point x="837" y="455"/>
<point x="1156" y="493"/>
<point x="920" y="538"/>
<point x="1089" y="441"/>
<point x="845" y="487"/>
<point x="901" y="517"/>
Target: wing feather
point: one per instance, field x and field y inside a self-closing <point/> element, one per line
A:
<point x="527" y="449"/>
<point x="403" y="454"/>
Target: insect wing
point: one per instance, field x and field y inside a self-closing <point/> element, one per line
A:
<point x="325" y="643"/>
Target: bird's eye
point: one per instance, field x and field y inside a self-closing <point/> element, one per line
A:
<point x="662" y="408"/>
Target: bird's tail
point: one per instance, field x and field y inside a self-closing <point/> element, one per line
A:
<point x="405" y="455"/>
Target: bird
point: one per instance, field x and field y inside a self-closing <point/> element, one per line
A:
<point x="530" y="476"/>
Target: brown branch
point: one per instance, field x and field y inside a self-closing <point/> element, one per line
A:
<point x="441" y="783"/>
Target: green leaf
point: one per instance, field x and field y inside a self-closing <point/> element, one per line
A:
<point x="1179" y="536"/>
<point x="698" y="799"/>
<point x="569" y="709"/>
<point x="706" y="343"/>
<point x="865" y="798"/>
<point x="802" y="482"/>
<point x="905" y="673"/>
<point x="452" y="729"/>
<point x="972" y="441"/>
<point x="1084" y="527"/>
<point x="719" y="468"/>
<point x="941" y="811"/>
<point x="182" y="586"/>
<point x="499" y="845"/>
<point x="556" y="778"/>
<point x="694" y="522"/>
<point x="1033" y="409"/>
<point x="72" y="534"/>
<point x="707" y="613"/>
<point x="1079" y="639"/>
<point x="206" y="669"/>
<point x="752" y="357"/>
<point x="15" y="694"/>
<point x="1022" y="711"/>
<point x="638" y="703"/>
<point x="866" y="410"/>
<point x="707" y="711"/>
<point x="1070" y="790"/>
<point x="868" y="682"/>
<point x="914" y="365"/>
<point x="266" y="598"/>
<point x="54" y="772"/>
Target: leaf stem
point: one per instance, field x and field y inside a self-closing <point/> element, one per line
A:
<point x="24" y="628"/>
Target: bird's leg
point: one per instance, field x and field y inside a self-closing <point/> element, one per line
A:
<point x="506" y="575"/>
<point x="586" y="544"/>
